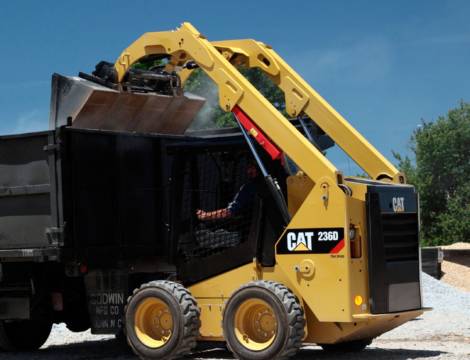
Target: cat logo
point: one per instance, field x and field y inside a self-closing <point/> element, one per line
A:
<point x="299" y="241"/>
<point x="398" y="204"/>
<point x="311" y="241"/>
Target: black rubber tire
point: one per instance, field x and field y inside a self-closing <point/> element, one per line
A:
<point x="120" y="336"/>
<point x="289" y="315"/>
<point x="26" y="335"/>
<point x="77" y="326"/>
<point x="120" y="340"/>
<point x="185" y="313"/>
<point x="347" y="346"/>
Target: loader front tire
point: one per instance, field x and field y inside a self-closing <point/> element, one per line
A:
<point x="25" y="335"/>
<point x="162" y="321"/>
<point x="263" y="320"/>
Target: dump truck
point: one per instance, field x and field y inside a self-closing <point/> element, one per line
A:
<point x="122" y="219"/>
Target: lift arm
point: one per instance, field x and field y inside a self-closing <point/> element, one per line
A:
<point x="300" y="97"/>
<point x="235" y="92"/>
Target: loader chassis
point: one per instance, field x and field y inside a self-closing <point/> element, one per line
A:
<point x="339" y="277"/>
<point x="99" y="224"/>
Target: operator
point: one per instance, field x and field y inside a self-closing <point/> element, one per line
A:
<point x="242" y="200"/>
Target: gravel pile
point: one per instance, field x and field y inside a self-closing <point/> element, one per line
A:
<point x="441" y="296"/>
<point x="450" y="315"/>
<point x="61" y="335"/>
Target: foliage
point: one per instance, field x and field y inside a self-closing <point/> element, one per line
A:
<point x="441" y="174"/>
<point x="212" y="116"/>
<point x="147" y="63"/>
<point x="265" y="86"/>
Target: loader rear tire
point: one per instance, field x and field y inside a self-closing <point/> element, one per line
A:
<point x="263" y="320"/>
<point x="162" y="321"/>
<point x="26" y="335"/>
<point x="348" y="346"/>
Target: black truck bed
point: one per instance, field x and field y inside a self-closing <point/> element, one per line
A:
<point x="25" y="204"/>
<point x="93" y="196"/>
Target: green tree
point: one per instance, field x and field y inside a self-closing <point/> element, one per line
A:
<point x="441" y="174"/>
<point x="211" y="115"/>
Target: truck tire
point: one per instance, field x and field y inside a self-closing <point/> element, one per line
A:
<point x="347" y="346"/>
<point x="162" y="321"/>
<point x="263" y="320"/>
<point x="26" y="335"/>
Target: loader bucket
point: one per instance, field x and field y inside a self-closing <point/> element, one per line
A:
<point x="84" y="104"/>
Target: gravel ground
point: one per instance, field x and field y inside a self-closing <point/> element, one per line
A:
<point x="441" y="334"/>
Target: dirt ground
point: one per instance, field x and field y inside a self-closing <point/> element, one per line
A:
<point x="456" y="266"/>
<point x="430" y="337"/>
<point x="399" y="349"/>
<point x="458" y="246"/>
<point x="456" y="275"/>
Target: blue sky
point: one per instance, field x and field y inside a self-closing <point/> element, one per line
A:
<point x="384" y="65"/>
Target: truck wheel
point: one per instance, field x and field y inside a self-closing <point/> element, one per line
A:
<point x="77" y="325"/>
<point x="162" y="320"/>
<point x="263" y="320"/>
<point x="26" y="335"/>
<point x="348" y="346"/>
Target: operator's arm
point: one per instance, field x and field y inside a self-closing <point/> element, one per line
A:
<point x="241" y="201"/>
<point x="213" y="215"/>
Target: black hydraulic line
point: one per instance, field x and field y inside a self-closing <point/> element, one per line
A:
<point x="278" y="196"/>
<point x="306" y="129"/>
<point x="272" y="184"/>
<point x="191" y="65"/>
<point x="308" y="134"/>
<point x="252" y="148"/>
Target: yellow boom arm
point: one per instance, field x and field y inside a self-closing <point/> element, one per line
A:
<point x="300" y="97"/>
<point x="217" y="59"/>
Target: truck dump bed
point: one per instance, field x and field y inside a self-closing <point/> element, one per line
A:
<point x="52" y="181"/>
<point x="114" y="196"/>
<point x="25" y="204"/>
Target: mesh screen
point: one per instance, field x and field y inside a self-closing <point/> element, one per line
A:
<point x="218" y="185"/>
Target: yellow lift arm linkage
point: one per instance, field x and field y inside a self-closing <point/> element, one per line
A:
<point x="217" y="60"/>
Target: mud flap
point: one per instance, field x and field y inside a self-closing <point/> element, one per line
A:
<point x="106" y="294"/>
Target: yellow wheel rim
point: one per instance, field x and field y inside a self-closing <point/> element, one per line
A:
<point x="255" y="324"/>
<point x="153" y="323"/>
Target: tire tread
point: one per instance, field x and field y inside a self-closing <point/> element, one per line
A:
<point x="190" y="311"/>
<point x="295" y="315"/>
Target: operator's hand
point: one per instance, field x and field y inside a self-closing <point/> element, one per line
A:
<point x="201" y="214"/>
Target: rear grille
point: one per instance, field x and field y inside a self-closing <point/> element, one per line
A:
<point x="393" y="250"/>
<point x="400" y="234"/>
